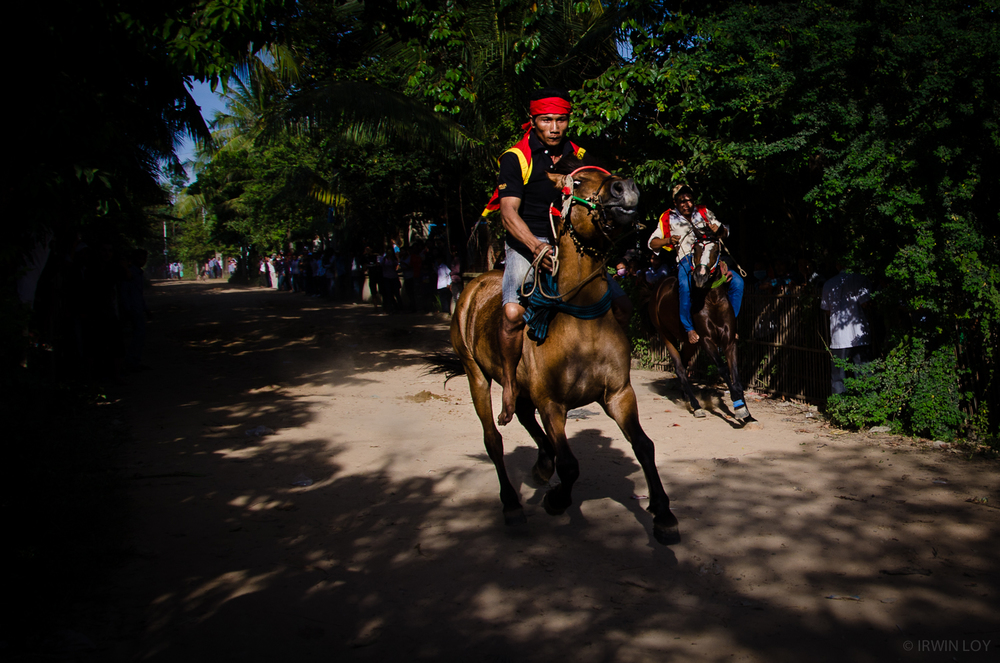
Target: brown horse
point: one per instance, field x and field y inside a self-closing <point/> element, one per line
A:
<point x="713" y="319"/>
<point x="579" y="362"/>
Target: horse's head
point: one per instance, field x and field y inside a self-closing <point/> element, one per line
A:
<point x="596" y="204"/>
<point x="705" y="259"/>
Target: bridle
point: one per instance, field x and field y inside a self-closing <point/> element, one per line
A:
<point x="702" y="240"/>
<point x="592" y="203"/>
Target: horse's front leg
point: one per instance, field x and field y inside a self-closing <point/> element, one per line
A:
<point x="730" y="373"/>
<point x="623" y="409"/>
<point x="558" y="498"/>
<point x="735" y="386"/>
<point x="682" y="375"/>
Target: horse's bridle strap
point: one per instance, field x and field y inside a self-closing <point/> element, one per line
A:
<point x="589" y="168"/>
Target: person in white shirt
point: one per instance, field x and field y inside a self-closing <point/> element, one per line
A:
<point x="843" y="298"/>
<point x="443" y="270"/>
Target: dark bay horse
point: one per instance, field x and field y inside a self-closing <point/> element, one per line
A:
<point x="580" y="361"/>
<point x="713" y="319"/>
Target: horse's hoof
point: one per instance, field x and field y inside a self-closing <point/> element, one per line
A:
<point x="699" y="413"/>
<point x="515" y="517"/>
<point x="550" y="508"/>
<point x="752" y="424"/>
<point x="666" y="535"/>
<point x="743" y="413"/>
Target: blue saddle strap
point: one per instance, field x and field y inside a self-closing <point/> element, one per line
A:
<point x="541" y="308"/>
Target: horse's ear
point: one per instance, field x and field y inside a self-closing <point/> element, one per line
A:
<point x="556" y="178"/>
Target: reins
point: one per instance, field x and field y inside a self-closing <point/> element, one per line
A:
<point x="567" y="204"/>
<point x="544" y="300"/>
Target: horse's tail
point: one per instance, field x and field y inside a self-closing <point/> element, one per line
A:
<point x="444" y="363"/>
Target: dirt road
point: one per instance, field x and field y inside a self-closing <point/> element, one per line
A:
<point x="799" y="543"/>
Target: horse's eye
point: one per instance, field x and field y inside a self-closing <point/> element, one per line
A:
<point x="576" y="182"/>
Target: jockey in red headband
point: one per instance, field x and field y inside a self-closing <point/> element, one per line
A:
<point x="548" y="106"/>
<point x="523" y="196"/>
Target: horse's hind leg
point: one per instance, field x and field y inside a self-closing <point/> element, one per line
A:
<point x="623" y="409"/>
<point x="479" y="385"/>
<point x="560" y="497"/>
<point x="545" y="465"/>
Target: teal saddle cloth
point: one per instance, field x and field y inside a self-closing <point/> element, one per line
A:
<point x="545" y="301"/>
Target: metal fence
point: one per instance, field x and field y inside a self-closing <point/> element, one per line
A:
<point x="783" y="350"/>
<point x="783" y="344"/>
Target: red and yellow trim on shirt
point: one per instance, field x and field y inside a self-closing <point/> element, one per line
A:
<point x="522" y="150"/>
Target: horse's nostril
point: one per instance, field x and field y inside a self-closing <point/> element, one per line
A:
<point x="617" y="189"/>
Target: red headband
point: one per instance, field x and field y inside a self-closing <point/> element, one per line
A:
<point x="550" y="105"/>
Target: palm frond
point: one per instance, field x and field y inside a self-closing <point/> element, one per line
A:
<point x="370" y="113"/>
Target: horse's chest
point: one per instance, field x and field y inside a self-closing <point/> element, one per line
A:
<point x="580" y="363"/>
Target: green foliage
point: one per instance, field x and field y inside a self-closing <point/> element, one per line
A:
<point x="641" y="349"/>
<point x="109" y="103"/>
<point x="193" y="243"/>
<point x="275" y="204"/>
<point x="980" y="436"/>
<point x="913" y="389"/>
<point x="865" y="131"/>
<point x="389" y="189"/>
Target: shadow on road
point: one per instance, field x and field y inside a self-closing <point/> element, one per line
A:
<point x="237" y="564"/>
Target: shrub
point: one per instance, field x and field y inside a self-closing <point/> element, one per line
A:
<point x="913" y="390"/>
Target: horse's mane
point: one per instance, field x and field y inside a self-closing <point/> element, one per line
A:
<point x="568" y="164"/>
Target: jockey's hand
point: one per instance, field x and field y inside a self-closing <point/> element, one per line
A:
<point x="725" y="270"/>
<point x="546" y="263"/>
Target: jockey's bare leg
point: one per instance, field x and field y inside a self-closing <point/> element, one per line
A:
<point x="511" y="341"/>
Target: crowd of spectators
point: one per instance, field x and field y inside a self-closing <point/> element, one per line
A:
<point x="782" y="276"/>
<point x="425" y="275"/>
<point x="211" y="269"/>
<point x="92" y="308"/>
<point x="420" y="277"/>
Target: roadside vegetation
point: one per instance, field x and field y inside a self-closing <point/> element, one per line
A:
<point x="836" y="129"/>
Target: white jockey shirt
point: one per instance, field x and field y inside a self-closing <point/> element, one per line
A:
<point x="685" y="229"/>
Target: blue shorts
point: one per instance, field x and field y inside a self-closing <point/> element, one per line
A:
<point x="516" y="268"/>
